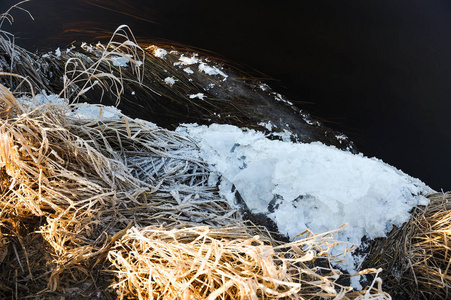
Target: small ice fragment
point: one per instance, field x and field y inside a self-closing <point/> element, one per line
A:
<point x="280" y="98"/>
<point x="184" y="60"/>
<point x="188" y="70"/>
<point x="341" y="137"/>
<point x="264" y="87"/>
<point x="267" y="125"/>
<point x="160" y="53"/>
<point x="201" y="96"/>
<point x="169" y="81"/>
<point x="92" y="112"/>
<point x="119" y="61"/>
<point x="69" y="50"/>
<point x="86" y="47"/>
<point x="211" y="70"/>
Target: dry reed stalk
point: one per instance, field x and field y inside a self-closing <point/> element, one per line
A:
<point x="81" y="183"/>
<point x="7" y="16"/>
<point x="225" y="263"/>
<point x="416" y="257"/>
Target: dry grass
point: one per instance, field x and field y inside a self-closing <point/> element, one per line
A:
<point x="224" y="263"/>
<point x="81" y="184"/>
<point x="90" y="74"/>
<point x="106" y="208"/>
<point x="416" y="257"/>
<point x="83" y="201"/>
<point x="203" y="262"/>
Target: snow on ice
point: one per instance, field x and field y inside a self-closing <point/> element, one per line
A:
<point x="80" y="111"/>
<point x="309" y="186"/>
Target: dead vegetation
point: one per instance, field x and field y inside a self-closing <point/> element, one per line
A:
<point x="120" y="208"/>
<point x="91" y="204"/>
<point x="416" y="257"/>
<point x="90" y="73"/>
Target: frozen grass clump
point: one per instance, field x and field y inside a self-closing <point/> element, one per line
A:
<point x="73" y="185"/>
<point x="416" y="256"/>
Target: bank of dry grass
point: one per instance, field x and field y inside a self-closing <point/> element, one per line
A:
<point x="121" y="207"/>
<point x="416" y="257"/>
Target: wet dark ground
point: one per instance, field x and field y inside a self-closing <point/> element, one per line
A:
<point x="380" y="71"/>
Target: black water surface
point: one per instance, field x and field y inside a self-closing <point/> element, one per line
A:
<point x="378" y="70"/>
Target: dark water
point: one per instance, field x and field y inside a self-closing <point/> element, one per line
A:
<point x="378" y="70"/>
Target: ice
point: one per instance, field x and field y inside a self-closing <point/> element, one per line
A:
<point x="309" y="186"/>
<point x="122" y="61"/>
<point x="44" y="98"/>
<point x="89" y="111"/>
<point x="186" y="61"/>
<point x="211" y="70"/>
<point x="159" y="52"/>
<point x="268" y="125"/>
<point x="169" y="81"/>
<point x="281" y="98"/>
<point x="188" y="70"/>
<point x="202" y="66"/>
<point x="341" y="137"/>
<point x="119" y="61"/>
<point x="264" y="87"/>
<point x="200" y="96"/>
<point x="80" y="111"/>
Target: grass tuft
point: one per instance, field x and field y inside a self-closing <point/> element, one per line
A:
<point x="416" y="256"/>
